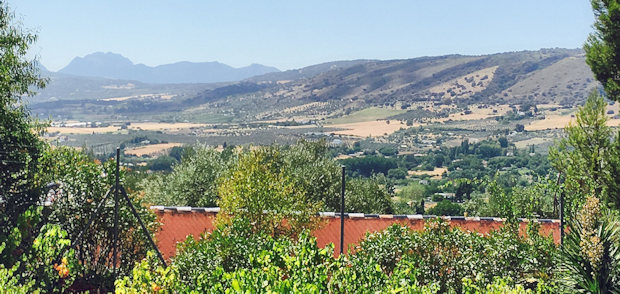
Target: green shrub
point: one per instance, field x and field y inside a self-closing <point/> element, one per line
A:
<point x="227" y="248"/>
<point x="368" y="196"/>
<point x="590" y="259"/>
<point x="162" y="163"/>
<point x="446" y="207"/>
<point x="439" y="259"/>
<point x="41" y="268"/>
<point x="193" y="182"/>
<point x="83" y="183"/>
<point x="257" y="188"/>
<point x="397" y="173"/>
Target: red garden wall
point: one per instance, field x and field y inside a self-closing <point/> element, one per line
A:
<point x="180" y="222"/>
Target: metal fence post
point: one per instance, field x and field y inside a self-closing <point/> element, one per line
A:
<point x="342" y="211"/>
<point x="116" y="190"/>
<point x="561" y="218"/>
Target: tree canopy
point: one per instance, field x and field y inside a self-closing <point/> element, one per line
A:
<point x="603" y="46"/>
<point x="20" y="146"/>
<point x="588" y="157"/>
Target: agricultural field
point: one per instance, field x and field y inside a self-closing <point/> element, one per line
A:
<point x="377" y="128"/>
<point x="368" y="114"/>
<point x="435" y="173"/>
<point x="380" y="124"/>
<point x="151" y="150"/>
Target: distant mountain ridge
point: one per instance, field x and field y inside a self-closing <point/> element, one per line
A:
<point x="545" y="76"/>
<point x="115" y="66"/>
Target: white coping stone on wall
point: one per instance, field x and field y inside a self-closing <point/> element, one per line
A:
<point x="352" y="215"/>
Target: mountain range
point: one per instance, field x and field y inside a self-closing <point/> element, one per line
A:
<point x="543" y="76"/>
<point x="115" y="66"/>
<point x="546" y="76"/>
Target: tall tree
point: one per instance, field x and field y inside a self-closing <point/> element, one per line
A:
<point x="603" y="46"/>
<point x="258" y="189"/>
<point x="20" y="146"/>
<point x="588" y="156"/>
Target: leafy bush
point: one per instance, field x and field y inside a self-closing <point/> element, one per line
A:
<point x="439" y="259"/>
<point x="257" y="188"/>
<point x="228" y="248"/>
<point x="162" y="163"/>
<point x="367" y="195"/>
<point x="48" y="266"/>
<point x="312" y="170"/>
<point x="306" y="166"/>
<point x="505" y="286"/>
<point x="82" y="185"/>
<point x="397" y="173"/>
<point x="446" y="207"/>
<point x="20" y="145"/>
<point x="10" y="283"/>
<point x="589" y="157"/>
<point x="590" y="259"/>
<point x="388" y="151"/>
<point x="193" y="182"/>
<point x="368" y="165"/>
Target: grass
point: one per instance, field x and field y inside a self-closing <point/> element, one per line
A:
<point x="367" y="114"/>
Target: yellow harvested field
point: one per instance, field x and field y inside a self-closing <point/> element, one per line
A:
<point x="553" y="120"/>
<point x="157" y="126"/>
<point x="151" y="150"/>
<point x="368" y="128"/>
<point x="435" y="174"/>
<point x="550" y="122"/>
<point x="477" y="113"/>
<point x="147" y="126"/>
<point x="82" y="130"/>
<point x="559" y="122"/>
<point x="343" y="156"/>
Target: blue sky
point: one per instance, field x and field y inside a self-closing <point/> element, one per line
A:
<point x="291" y="34"/>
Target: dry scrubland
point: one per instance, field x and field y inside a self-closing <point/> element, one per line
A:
<point x="466" y="85"/>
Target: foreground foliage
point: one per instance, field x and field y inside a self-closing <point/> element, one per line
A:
<point x="439" y="259"/>
<point x="20" y="146"/>
<point x="590" y="259"/>
<point x="603" y="46"/>
<point x="588" y="157"/>
<point x="48" y="265"/>
<point x="306" y="171"/>
<point x="82" y="185"/>
<point x="258" y="189"/>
